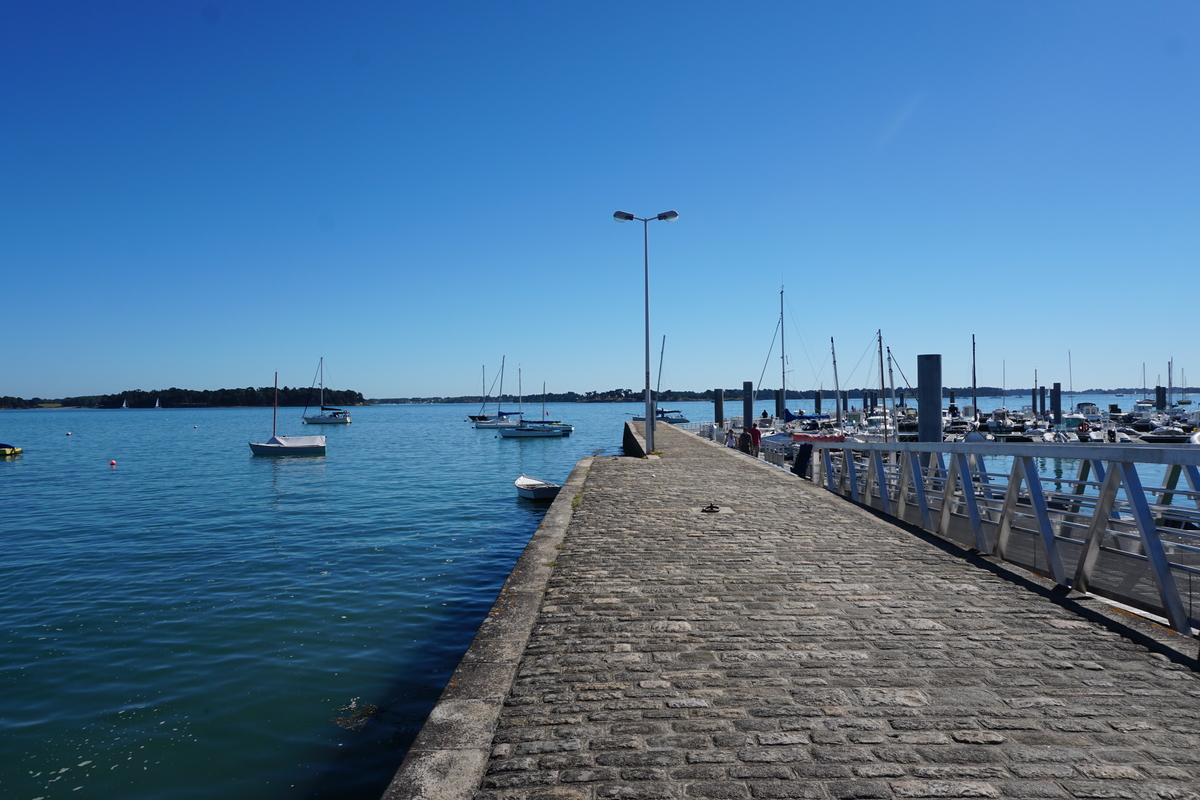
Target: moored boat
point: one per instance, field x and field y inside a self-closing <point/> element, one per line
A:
<point x="328" y="415"/>
<point x="287" y="445"/>
<point x="9" y="450"/>
<point x="664" y="415"/>
<point x="533" y="430"/>
<point x="1167" y="434"/>
<point x="535" y="488"/>
<point x="290" y="446"/>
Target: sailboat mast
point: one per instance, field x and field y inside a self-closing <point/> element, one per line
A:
<point x="974" y="388"/>
<point x="658" y="388"/>
<point x="782" y="353"/>
<point x="837" y="390"/>
<point x="882" y="389"/>
<point x="500" y="397"/>
<point x="275" y="410"/>
<point x="892" y="380"/>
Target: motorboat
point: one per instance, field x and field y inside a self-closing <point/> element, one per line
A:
<point x="7" y="450"/>
<point x="328" y="415"/>
<point x="664" y="415"/>
<point x="1168" y="434"/>
<point x="999" y="422"/>
<point x="535" y="488"/>
<point x="287" y="445"/>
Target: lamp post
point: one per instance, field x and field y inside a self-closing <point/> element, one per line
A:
<point x="666" y="216"/>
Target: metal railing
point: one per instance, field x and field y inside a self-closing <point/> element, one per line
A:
<point x="1100" y="530"/>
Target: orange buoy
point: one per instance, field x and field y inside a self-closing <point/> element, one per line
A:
<point x="112" y="463"/>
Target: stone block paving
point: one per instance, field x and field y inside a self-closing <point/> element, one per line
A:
<point x="795" y="646"/>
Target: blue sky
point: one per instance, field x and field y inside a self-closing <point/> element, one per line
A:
<point x="198" y="194"/>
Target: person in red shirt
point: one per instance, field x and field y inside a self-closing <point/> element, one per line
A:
<point x="755" y="440"/>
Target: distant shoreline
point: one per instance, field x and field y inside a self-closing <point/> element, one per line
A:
<point x="145" y="400"/>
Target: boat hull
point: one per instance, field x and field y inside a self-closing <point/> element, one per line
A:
<point x="328" y="419"/>
<point x="290" y="446"/>
<point x="533" y="433"/>
<point x="534" y="489"/>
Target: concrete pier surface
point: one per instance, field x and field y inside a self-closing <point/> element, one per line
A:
<point x="793" y="645"/>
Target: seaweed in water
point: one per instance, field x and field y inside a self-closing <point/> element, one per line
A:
<point x="355" y="717"/>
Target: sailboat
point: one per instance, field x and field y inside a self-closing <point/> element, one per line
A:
<point x="287" y="445"/>
<point x="501" y="420"/>
<point x="671" y="415"/>
<point x="124" y="404"/>
<point x="328" y="414"/>
<point x="538" y="430"/>
<point x="156" y="403"/>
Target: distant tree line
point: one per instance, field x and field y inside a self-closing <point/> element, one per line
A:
<point x="223" y="398"/>
<point x="678" y="396"/>
<point x="191" y="398"/>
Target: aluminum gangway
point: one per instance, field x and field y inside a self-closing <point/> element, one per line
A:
<point x="1111" y="520"/>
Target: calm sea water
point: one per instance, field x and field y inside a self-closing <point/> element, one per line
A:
<point x="188" y="623"/>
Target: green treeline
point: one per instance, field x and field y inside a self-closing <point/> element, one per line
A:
<point x="677" y="396"/>
<point x="223" y="398"/>
<point x="190" y="398"/>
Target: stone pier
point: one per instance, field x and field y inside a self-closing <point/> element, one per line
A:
<point x="792" y="645"/>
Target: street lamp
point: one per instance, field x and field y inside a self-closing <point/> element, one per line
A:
<point x="666" y="216"/>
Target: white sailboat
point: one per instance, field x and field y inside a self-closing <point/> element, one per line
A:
<point x="328" y="415"/>
<point x="287" y="445"/>
<point x="501" y="420"/>
<point x="538" y="430"/>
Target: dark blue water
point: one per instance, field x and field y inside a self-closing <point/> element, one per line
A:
<point x="188" y="623"/>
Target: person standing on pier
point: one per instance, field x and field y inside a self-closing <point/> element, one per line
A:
<point x="755" y="440"/>
<point x="730" y="438"/>
<point x="744" y="441"/>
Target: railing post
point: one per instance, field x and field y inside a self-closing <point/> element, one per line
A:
<point x="949" y="491"/>
<point x="1049" y="542"/>
<point x="964" y="470"/>
<point x="1153" y="546"/>
<point x="1094" y="540"/>
<point x="919" y="485"/>
<point x="850" y="473"/>
<point x="881" y="482"/>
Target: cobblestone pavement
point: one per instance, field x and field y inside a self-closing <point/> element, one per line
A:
<point x="795" y="646"/>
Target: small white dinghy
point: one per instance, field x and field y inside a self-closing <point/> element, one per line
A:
<point x="535" y="489"/>
<point x="287" y="445"/>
